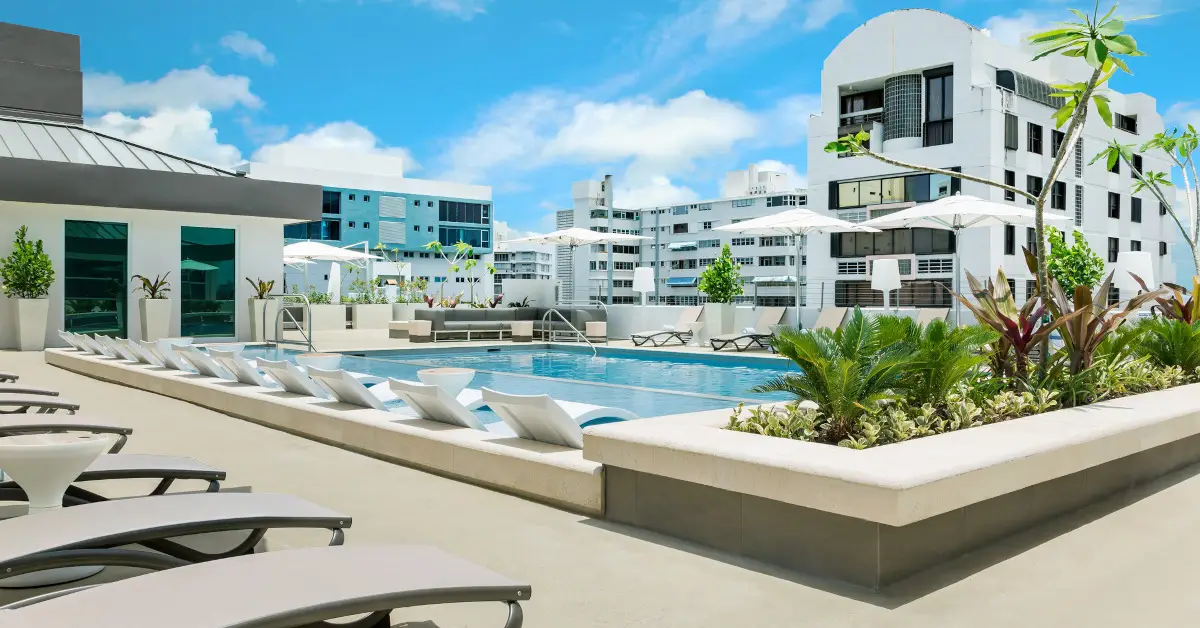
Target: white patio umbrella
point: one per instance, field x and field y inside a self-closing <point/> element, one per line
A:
<point x="307" y="252"/>
<point x="958" y="212"/>
<point x="794" y="222"/>
<point x="578" y="236"/>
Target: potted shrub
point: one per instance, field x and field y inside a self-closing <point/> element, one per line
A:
<point x="154" y="306"/>
<point x="28" y="273"/>
<point x="408" y="295"/>
<point x="722" y="283"/>
<point x="262" y="309"/>
<point x="370" y="309"/>
<point x="326" y="315"/>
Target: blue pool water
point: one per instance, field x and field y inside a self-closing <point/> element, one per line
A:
<point x="646" y="385"/>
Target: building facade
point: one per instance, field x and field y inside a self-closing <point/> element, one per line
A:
<point x="681" y="243"/>
<point x="382" y="207"/>
<point x="966" y="102"/>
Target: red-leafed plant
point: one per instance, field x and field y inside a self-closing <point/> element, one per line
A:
<point x="1178" y="304"/>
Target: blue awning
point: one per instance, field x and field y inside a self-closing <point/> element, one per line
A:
<point x="683" y="282"/>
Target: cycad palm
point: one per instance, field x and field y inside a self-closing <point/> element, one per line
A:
<point x="943" y="356"/>
<point x="1172" y="343"/>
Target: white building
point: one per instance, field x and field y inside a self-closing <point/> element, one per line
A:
<point x="520" y="261"/>
<point x="682" y="242"/>
<point x="962" y="100"/>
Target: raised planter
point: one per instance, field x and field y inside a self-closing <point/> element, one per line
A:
<point x="876" y="516"/>
<point x="718" y="319"/>
<point x="32" y="315"/>
<point x="328" y="317"/>
<point x="404" y="311"/>
<point x="260" y="310"/>
<point x="370" y="316"/>
<point x="156" y="318"/>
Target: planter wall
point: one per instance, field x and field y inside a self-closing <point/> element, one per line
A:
<point x="328" y="317"/>
<point x="370" y="316"/>
<point x="718" y="319"/>
<point x="404" y="311"/>
<point x="260" y="309"/>
<point x="31" y="320"/>
<point x="156" y="318"/>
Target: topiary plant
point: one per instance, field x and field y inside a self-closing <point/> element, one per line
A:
<point x="27" y="272"/>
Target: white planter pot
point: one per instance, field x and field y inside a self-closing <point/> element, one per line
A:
<point x="32" y="315"/>
<point x="156" y="318"/>
<point x="404" y="311"/>
<point x="718" y="319"/>
<point x="328" y="317"/>
<point x="370" y="316"/>
<point x="259" y="308"/>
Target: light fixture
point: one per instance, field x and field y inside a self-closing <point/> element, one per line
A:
<point x="1138" y="263"/>
<point x="643" y="281"/>
<point x="885" y="276"/>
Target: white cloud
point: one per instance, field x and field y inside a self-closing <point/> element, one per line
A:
<point x="650" y="191"/>
<point x="1183" y="113"/>
<point x="821" y="12"/>
<point x="197" y="87"/>
<point x="510" y="133"/>
<point x="247" y="47"/>
<point x="345" y="145"/>
<point x="187" y="132"/>
<point x="462" y="9"/>
<point x="1014" y="29"/>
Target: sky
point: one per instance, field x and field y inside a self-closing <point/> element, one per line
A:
<point x="526" y="96"/>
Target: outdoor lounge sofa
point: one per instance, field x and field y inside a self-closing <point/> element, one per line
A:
<point x="468" y="323"/>
<point x="284" y="589"/>
<point x="542" y="418"/>
<point x="678" y="331"/>
<point x="759" y="335"/>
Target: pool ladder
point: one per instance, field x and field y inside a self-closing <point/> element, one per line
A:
<point x="283" y="311"/>
<point x="548" y="332"/>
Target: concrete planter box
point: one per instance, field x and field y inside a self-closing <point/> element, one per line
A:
<point x="156" y="318"/>
<point x="877" y="516"/>
<point x="370" y="316"/>
<point x="404" y="311"/>
<point x="718" y="319"/>
<point x="328" y="317"/>
<point x="260" y="310"/>
<point x="32" y="315"/>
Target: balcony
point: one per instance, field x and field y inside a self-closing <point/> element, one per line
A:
<point x="850" y="123"/>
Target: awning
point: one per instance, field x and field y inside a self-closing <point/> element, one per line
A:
<point x="780" y="280"/>
<point x="682" y="246"/>
<point x="682" y="282"/>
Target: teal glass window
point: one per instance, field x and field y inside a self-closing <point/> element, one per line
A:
<point x="96" y="269"/>
<point x="207" y="282"/>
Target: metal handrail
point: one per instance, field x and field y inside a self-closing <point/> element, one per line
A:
<point x="550" y="331"/>
<point x="279" y="339"/>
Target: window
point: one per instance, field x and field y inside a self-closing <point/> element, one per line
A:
<point x="773" y="260"/>
<point x="331" y="202"/>
<point x="429" y="203"/>
<point x="1125" y="123"/>
<point x="1079" y="206"/>
<point x="743" y="202"/>
<point x="1114" y="205"/>
<point x="416" y="227"/>
<point x="680" y="228"/>
<point x="1033" y="143"/>
<point x="1010" y="240"/>
<point x="458" y="211"/>
<point x="351" y="225"/>
<point x="1056" y="141"/>
<point x="1079" y="158"/>
<point x="939" y="107"/>
<point x="1010" y="179"/>
<point x="1162" y="208"/>
<point x="366" y="197"/>
<point x="1135" y="209"/>
<point x="449" y="236"/>
<point x="1058" y="195"/>
<point x="429" y="229"/>
<point x="709" y="244"/>
<point x="1030" y="288"/>
<point x="1135" y="245"/>
<point x="935" y="266"/>
<point x="852" y="268"/>
<point x="773" y="241"/>
<point x="1137" y="164"/>
<point x="327" y="229"/>
<point x="1162" y="248"/>
<point x="207" y="281"/>
<point x="1114" y="295"/>
<point x="366" y="225"/>
<point x="744" y="261"/>
<point x="1011" y="141"/>
<point x="416" y="203"/>
<point x="916" y="188"/>
<point x="1114" y="247"/>
<point x="95" y="277"/>
<point x="706" y="261"/>
<point x="680" y="210"/>
<point x="706" y="225"/>
<point x="1033" y="185"/>
<point x="742" y="242"/>
<point x="918" y="241"/>
<point x="1031" y="242"/>
<point x="351" y="197"/>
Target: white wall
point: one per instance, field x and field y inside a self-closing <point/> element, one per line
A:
<point x="154" y="248"/>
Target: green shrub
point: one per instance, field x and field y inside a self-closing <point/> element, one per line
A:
<point x="27" y="272"/>
<point x="722" y="280"/>
<point x="1171" y="342"/>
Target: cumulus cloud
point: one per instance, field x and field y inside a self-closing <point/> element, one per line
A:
<point x="462" y="9"/>
<point x="343" y="145"/>
<point x="187" y="132"/>
<point x="247" y="47"/>
<point x="197" y="87"/>
<point x="1013" y="29"/>
<point x="650" y="191"/>
<point x="1183" y="113"/>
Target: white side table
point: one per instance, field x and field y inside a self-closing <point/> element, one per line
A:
<point x="695" y="328"/>
<point x="44" y="465"/>
<point x="522" y="331"/>
<point x="596" y="329"/>
<point x="452" y="380"/>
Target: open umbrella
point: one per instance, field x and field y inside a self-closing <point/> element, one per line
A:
<point x="310" y="251"/>
<point x="793" y="222"/>
<point x="578" y="236"/>
<point x="956" y="213"/>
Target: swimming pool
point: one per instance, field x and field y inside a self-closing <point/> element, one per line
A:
<point x="646" y="385"/>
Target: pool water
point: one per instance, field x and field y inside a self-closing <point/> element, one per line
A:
<point x="648" y="386"/>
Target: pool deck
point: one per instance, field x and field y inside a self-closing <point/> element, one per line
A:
<point x="1100" y="567"/>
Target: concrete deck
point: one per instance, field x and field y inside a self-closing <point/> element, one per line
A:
<point x="1133" y="566"/>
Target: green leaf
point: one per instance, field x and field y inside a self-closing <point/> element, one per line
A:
<point x="1104" y="110"/>
<point x="862" y="136"/>
<point x="1053" y="35"/>
<point x="1121" y="44"/>
<point x="1120" y="64"/>
<point x="1112" y="27"/>
<point x="1113" y="156"/>
<point x="837" y="147"/>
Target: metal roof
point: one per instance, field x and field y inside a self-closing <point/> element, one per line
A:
<point x="71" y="143"/>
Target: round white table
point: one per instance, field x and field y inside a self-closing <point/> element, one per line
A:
<point x="44" y="465"/>
<point x="450" y="379"/>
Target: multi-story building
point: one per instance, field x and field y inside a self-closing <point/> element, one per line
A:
<point x="520" y="260"/>
<point x="681" y="242"/>
<point x="381" y="206"/>
<point x="966" y="102"/>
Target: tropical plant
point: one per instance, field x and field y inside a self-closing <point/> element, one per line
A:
<point x="156" y="288"/>
<point x="262" y="289"/>
<point x="722" y="279"/>
<point x="430" y="300"/>
<point x="1073" y="265"/>
<point x="27" y="272"/>
<point x="1178" y="304"/>
<point x="1172" y="343"/>
<point x="461" y="251"/>
<point x="845" y="371"/>
<point x="942" y="356"/>
<point x="314" y="296"/>
<point x="522" y="303"/>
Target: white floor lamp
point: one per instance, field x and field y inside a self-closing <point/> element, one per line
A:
<point x="643" y="281"/>
<point x="885" y="276"/>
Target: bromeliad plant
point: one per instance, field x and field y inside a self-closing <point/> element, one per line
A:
<point x="156" y="288"/>
<point x="262" y="289"/>
<point x="1178" y="304"/>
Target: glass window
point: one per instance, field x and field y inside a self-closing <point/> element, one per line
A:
<point x="916" y="188"/>
<point x="939" y="186"/>
<point x="848" y="195"/>
<point x="121" y="152"/>
<point x="95" y="269"/>
<point x="864" y="245"/>
<point x="207" y="282"/>
<point x="870" y="192"/>
<point x="45" y="146"/>
<point x="893" y="190"/>
<point x="883" y="243"/>
<point x="922" y="241"/>
<point x="177" y="165"/>
<point x="331" y="202"/>
<point x="902" y="241"/>
<point x="16" y="141"/>
<point x="150" y="159"/>
<point x="69" y="145"/>
<point x="95" y="149"/>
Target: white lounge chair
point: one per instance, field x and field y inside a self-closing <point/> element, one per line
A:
<point x="117" y="347"/>
<point x="542" y="418"/>
<point x="95" y="347"/>
<point x="171" y="357"/>
<point x="344" y="387"/>
<point x="70" y="339"/>
<point x="760" y="334"/>
<point x="678" y="331"/>
<point x="292" y="379"/>
<point x="144" y="356"/>
<point x="433" y="403"/>
<point x="241" y="368"/>
<point x="202" y="362"/>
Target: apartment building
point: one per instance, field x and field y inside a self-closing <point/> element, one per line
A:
<point x="966" y="102"/>
<point x="520" y="260"/>
<point x="375" y="204"/>
<point x="682" y="243"/>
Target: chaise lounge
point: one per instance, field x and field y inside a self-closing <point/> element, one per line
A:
<point x="292" y="379"/>
<point x="548" y="420"/>
<point x="678" y="331"/>
<point x="759" y="335"/>
<point x="432" y="403"/>
<point x="241" y="368"/>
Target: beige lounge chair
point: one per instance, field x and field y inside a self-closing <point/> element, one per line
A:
<point x="927" y="315"/>
<point x="830" y="318"/>
<point x="760" y="335"/>
<point x="678" y="331"/>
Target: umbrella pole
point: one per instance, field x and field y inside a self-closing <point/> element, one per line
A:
<point x="957" y="273"/>
<point x="799" y="288"/>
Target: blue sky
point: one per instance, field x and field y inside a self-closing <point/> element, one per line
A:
<point x="523" y="95"/>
